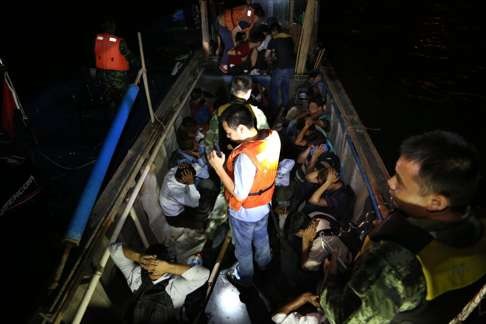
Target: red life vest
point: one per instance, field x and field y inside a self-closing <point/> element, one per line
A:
<point x="108" y="55"/>
<point x="264" y="153"/>
<point x="234" y="15"/>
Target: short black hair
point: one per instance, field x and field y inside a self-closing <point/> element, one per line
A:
<point x="275" y="27"/>
<point x="181" y="167"/>
<point x="238" y="114"/>
<point x="186" y="141"/>
<point x="241" y="83"/>
<point x="317" y="100"/>
<point x="158" y="250"/>
<point x="108" y="25"/>
<point x="449" y="165"/>
<point x="258" y="10"/>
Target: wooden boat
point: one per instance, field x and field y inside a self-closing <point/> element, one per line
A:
<point x="93" y="291"/>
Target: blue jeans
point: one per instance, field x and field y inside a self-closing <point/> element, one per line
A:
<point x="246" y="235"/>
<point x="227" y="40"/>
<point x="280" y="83"/>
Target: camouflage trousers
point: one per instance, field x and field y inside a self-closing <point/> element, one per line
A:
<point x="218" y="216"/>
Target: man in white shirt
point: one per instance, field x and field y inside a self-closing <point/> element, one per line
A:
<point x="178" y="191"/>
<point x="149" y="275"/>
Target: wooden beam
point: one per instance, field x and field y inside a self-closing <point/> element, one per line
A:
<point x="203" y="5"/>
<point x="305" y="36"/>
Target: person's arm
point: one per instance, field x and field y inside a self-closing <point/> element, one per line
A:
<point x="320" y="149"/>
<point x="189" y="195"/>
<point x="308" y="236"/>
<point x="303" y="155"/>
<point x="377" y="289"/>
<point x="218" y="165"/>
<point x="126" y="260"/>
<point x="286" y="314"/>
<point x="212" y="135"/>
<point x="316" y="199"/>
<point x="299" y="140"/>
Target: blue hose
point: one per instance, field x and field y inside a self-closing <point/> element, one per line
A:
<point x="92" y="188"/>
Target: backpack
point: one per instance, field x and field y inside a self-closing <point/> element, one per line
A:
<point x="151" y="304"/>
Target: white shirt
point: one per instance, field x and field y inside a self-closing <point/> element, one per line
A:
<point x="283" y="173"/>
<point x="177" y="288"/>
<point x="244" y="174"/>
<point x="174" y="195"/>
<point x="296" y="318"/>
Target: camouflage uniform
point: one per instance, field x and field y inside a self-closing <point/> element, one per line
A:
<point x="114" y="84"/>
<point x="218" y="214"/>
<point x="387" y="278"/>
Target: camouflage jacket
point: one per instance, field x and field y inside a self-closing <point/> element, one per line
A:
<point x="387" y="278"/>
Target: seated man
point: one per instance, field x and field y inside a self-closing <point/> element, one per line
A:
<point x="178" y="192"/>
<point x="319" y="240"/>
<point x="332" y="196"/>
<point x="160" y="287"/>
<point x="288" y="314"/>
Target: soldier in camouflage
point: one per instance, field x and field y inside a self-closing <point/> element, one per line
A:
<point x="241" y="91"/>
<point x="114" y="63"/>
<point x="426" y="259"/>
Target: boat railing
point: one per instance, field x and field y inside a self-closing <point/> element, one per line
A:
<point x="116" y="202"/>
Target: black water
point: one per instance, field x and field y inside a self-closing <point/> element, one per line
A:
<point x="407" y="66"/>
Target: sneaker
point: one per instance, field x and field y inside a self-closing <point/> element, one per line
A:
<point x="233" y="278"/>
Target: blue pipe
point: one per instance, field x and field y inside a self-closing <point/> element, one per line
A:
<point x="92" y="188"/>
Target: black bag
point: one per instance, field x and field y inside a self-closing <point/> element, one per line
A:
<point x="151" y="304"/>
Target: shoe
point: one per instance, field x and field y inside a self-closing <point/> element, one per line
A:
<point x="235" y="281"/>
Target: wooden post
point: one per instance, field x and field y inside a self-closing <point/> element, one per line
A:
<point x="203" y="5"/>
<point x="291" y="12"/>
<point x="305" y="37"/>
<point x="145" y="80"/>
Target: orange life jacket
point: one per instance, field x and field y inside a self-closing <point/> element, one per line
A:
<point x="108" y="55"/>
<point x="234" y="15"/>
<point x="264" y="153"/>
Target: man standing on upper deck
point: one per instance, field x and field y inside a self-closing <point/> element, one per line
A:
<point x="248" y="177"/>
<point x="234" y="20"/>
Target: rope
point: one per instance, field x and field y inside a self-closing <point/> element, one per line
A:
<point x="79" y="167"/>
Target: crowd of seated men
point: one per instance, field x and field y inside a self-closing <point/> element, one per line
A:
<point x="312" y="205"/>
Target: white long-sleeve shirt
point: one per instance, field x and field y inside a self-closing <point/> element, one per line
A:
<point x="177" y="288"/>
<point x="174" y="195"/>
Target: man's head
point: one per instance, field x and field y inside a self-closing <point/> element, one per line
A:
<point x="238" y="122"/>
<point x="315" y="76"/>
<point x="241" y="87"/>
<point x="109" y="25"/>
<point x="319" y="176"/>
<point x="435" y="172"/>
<point x="181" y="170"/>
<point x="275" y="28"/>
<point x="316" y="105"/>
<point x="258" y="11"/>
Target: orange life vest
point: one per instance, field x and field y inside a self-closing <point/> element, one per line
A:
<point x="264" y="153"/>
<point x="108" y="55"/>
<point x="234" y="15"/>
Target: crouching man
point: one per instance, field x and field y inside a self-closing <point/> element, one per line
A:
<point x="160" y="287"/>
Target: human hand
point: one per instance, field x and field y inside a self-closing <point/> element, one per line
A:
<point x="320" y="149"/>
<point x="187" y="177"/>
<point x="157" y="268"/>
<point x="147" y="261"/>
<point x="309" y="122"/>
<point x="216" y="161"/>
<point x="332" y="176"/>
<point x="310" y="232"/>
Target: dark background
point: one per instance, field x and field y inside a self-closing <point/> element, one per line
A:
<point x="408" y="67"/>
